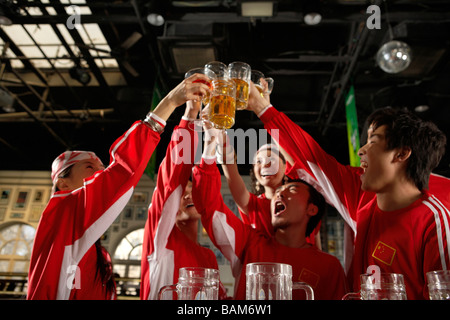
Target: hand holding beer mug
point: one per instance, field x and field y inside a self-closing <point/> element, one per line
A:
<point x="240" y="73"/>
<point x="272" y="281"/>
<point x="194" y="283"/>
<point x="198" y="123"/>
<point x="439" y="284"/>
<point x="379" y="286"/>
<point x="258" y="79"/>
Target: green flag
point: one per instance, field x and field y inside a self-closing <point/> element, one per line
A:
<point x="156" y="98"/>
<point x="352" y="128"/>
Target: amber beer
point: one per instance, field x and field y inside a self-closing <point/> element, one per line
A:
<point x="222" y="107"/>
<point x="260" y="89"/>
<point x="241" y="94"/>
<point x="240" y="73"/>
<point x="256" y="78"/>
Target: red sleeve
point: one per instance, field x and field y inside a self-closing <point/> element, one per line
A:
<point x="259" y="216"/>
<point x="173" y="175"/>
<point x="225" y="230"/>
<point x="111" y="188"/>
<point x="339" y="184"/>
<point x="73" y="221"/>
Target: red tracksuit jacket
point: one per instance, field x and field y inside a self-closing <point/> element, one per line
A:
<point x="410" y="241"/>
<point x="63" y="260"/>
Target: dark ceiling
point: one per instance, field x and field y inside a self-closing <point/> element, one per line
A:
<point x="313" y="68"/>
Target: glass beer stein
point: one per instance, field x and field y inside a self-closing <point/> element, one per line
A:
<point x="219" y="68"/>
<point x="439" y="284"/>
<point x="203" y="114"/>
<point x="384" y="286"/>
<point x="240" y="73"/>
<point x="272" y="281"/>
<point x="222" y="107"/>
<point x="256" y="78"/>
<point x="194" y="283"/>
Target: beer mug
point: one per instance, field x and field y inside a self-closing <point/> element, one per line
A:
<point x="194" y="283"/>
<point x="203" y="114"/>
<point x="256" y="78"/>
<point x="379" y="286"/>
<point x="272" y="281"/>
<point x="219" y="68"/>
<point x="240" y="73"/>
<point x="439" y="284"/>
<point x="222" y="107"/>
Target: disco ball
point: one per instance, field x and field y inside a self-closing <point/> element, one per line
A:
<point x="394" y="56"/>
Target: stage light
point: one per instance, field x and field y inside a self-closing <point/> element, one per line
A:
<point x="80" y="74"/>
<point x="394" y="56"/>
<point x="155" y="19"/>
<point x="312" y="12"/>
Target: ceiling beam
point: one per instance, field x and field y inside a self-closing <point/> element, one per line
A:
<point x="32" y="115"/>
<point x="19" y="53"/>
<point x="345" y="78"/>
<point x="85" y="52"/>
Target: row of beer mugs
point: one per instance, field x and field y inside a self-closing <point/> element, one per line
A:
<point x="273" y="281"/>
<point x="391" y="286"/>
<point x="229" y="86"/>
<point x="264" y="281"/>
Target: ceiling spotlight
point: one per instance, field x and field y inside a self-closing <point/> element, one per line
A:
<point x="312" y="18"/>
<point x="394" y="56"/>
<point x="80" y="74"/>
<point x="155" y="19"/>
<point x="421" y="108"/>
<point x="312" y="12"/>
<point x="6" y="101"/>
<point x="4" y="20"/>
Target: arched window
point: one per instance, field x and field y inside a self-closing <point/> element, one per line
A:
<point x="128" y="254"/>
<point x="16" y="242"/>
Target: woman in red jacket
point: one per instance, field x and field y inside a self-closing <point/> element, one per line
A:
<point x="64" y="258"/>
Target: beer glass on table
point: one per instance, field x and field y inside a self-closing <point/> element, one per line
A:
<point x="384" y="286"/>
<point x="272" y="281"/>
<point x="439" y="284"/>
<point x="240" y="73"/>
<point x="194" y="283"/>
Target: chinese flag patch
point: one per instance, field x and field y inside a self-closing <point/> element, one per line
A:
<point x="309" y="277"/>
<point x="384" y="253"/>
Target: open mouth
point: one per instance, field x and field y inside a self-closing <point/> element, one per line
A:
<point x="189" y="205"/>
<point x="279" y="208"/>
<point x="268" y="172"/>
<point x="364" y="165"/>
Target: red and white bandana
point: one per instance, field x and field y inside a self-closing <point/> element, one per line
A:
<point x="68" y="158"/>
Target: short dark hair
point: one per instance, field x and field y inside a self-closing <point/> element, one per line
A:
<point x="405" y="129"/>
<point x="316" y="198"/>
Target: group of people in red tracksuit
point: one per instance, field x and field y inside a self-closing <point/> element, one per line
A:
<point x="396" y="207"/>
